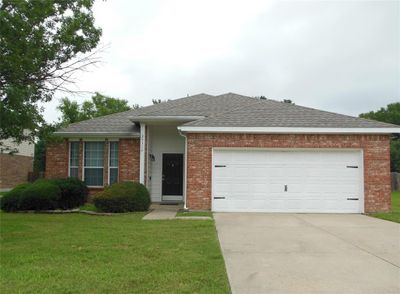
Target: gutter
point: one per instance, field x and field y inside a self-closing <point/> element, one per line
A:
<point x="185" y="172"/>
<point x="98" y="134"/>
<point x="291" y="130"/>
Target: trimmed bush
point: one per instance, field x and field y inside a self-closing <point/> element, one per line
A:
<point x="123" y="197"/>
<point x="10" y="201"/>
<point x="74" y="192"/>
<point x="41" y="195"/>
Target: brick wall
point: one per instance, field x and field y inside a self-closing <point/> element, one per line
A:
<point x="14" y="170"/>
<point x="376" y="149"/>
<point x="129" y="159"/>
<point x="57" y="160"/>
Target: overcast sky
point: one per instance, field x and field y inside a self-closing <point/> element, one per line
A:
<point x="341" y="56"/>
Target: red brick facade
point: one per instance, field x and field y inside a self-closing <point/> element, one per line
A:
<point x="129" y="159"/>
<point x="57" y="160"/>
<point x="14" y="169"/>
<point x="376" y="151"/>
<point x="376" y="161"/>
<point x="57" y="156"/>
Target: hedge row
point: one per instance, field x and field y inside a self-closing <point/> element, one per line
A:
<point x="46" y="195"/>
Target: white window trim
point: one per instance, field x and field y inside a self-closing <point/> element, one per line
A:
<point x="83" y="165"/>
<point x="69" y="158"/>
<point x="109" y="161"/>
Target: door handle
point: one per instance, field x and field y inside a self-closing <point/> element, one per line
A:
<point x="285" y="188"/>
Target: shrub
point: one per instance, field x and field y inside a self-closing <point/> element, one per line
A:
<point x="74" y="192"/>
<point x="10" y="201"/>
<point x="41" y="195"/>
<point x="123" y="197"/>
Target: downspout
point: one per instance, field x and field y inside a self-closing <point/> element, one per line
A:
<point x="185" y="172"/>
<point x="142" y="152"/>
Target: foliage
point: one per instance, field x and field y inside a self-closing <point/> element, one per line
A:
<point x="288" y="101"/>
<point x="45" y="136"/>
<point x="99" y="105"/>
<point x="42" y="45"/>
<point x="45" y="194"/>
<point x="123" y="197"/>
<point x="10" y="201"/>
<point x="41" y="195"/>
<point x="389" y="114"/>
<point x="74" y="192"/>
<point x="158" y="101"/>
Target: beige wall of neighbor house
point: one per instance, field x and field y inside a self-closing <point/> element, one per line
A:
<point x="14" y="167"/>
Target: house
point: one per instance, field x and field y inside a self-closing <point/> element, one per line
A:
<point x="15" y="163"/>
<point x="234" y="153"/>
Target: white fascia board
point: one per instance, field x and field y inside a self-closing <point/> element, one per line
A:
<point x="163" y="118"/>
<point x="281" y="130"/>
<point x="97" y="134"/>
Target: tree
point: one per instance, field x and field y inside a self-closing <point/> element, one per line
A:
<point x="42" y="44"/>
<point x="389" y="114"/>
<point x="288" y="101"/>
<point x="99" y="105"/>
<point x="158" y="101"/>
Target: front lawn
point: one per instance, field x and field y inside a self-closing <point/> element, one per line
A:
<point x="394" y="215"/>
<point x="75" y="253"/>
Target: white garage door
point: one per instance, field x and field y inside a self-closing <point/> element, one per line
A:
<point x="287" y="181"/>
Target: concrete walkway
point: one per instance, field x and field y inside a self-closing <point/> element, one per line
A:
<point x="310" y="253"/>
<point x="159" y="211"/>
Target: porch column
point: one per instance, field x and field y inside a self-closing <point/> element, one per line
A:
<point x="142" y="152"/>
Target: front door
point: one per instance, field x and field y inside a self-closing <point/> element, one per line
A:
<point x="172" y="176"/>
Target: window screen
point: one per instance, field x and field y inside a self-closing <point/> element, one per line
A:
<point x="113" y="162"/>
<point x="94" y="163"/>
<point x="73" y="159"/>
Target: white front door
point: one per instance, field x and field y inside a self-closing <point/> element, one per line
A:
<point x="255" y="180"/>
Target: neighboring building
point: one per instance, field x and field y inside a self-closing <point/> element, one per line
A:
<point x="14" y="168"/>
<point x="234" y="153"/>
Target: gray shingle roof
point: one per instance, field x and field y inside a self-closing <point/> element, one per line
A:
<point x="271" y="113"/>
<point x="227" y="110"/>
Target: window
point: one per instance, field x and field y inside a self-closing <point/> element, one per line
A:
<point x="94" y="163"/>
<point x="113" y="165"/>
<point x="73" y="159"/>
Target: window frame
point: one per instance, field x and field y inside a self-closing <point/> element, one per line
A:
<point x="69" y="158"/>
<point x="109" y="162"/>
<point x="94" y="167"/>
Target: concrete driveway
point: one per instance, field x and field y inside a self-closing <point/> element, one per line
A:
<point x="310" y="253"/>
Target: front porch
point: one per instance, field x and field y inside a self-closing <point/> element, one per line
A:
<point x="162" y="158"/>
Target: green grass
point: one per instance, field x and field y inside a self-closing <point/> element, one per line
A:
<point x="194" y="213"/>
<point x="394" y="215"/>
<point x="76" y="253"/>
<point x="88" y="207"/>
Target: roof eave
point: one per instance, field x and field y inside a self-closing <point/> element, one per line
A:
<point x="288" y="130"/>
<point x="97" y="134"/>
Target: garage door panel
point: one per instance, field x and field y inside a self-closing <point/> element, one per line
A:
<point x="315" y="181"/>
